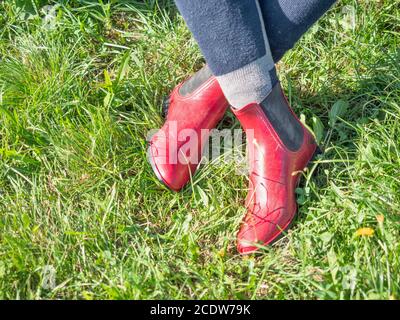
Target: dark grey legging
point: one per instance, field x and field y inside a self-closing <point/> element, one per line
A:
<point x="287" y="20"/>
<point x="228" y="31"/>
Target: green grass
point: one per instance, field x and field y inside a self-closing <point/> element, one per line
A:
<point x="79" y="92"/>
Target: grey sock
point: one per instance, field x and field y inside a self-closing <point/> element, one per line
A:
<point x="254" y="81"/>
<point x="194" y="82"/>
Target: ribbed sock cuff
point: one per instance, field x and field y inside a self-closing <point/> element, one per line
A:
<point x="251" y="83"/>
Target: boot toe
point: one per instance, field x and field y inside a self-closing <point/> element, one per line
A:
<point x="164" y="172"/>
<point x="251" y="237"/>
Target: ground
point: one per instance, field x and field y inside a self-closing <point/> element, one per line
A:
<point x="82" y="216"/>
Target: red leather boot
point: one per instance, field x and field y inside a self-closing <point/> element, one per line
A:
<point x="194" y="108"/>
<point x="281" y="148"/>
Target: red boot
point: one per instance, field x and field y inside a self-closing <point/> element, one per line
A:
<point x="280" y="150"/>
<point x="194" y="108"/>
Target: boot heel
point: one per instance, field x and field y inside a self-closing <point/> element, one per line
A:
<point x="317" y="152"/>
<point x="165" y="106"/>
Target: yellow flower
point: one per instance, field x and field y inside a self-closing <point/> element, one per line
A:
<point x="221" y="253"/>
<point x="365" y="232"/>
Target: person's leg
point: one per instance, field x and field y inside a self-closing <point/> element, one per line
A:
<point x="228" y="33"/>
<point x="287" y="20"/>
<point x="284" y="146"/>
<point x="231" y="34"/>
